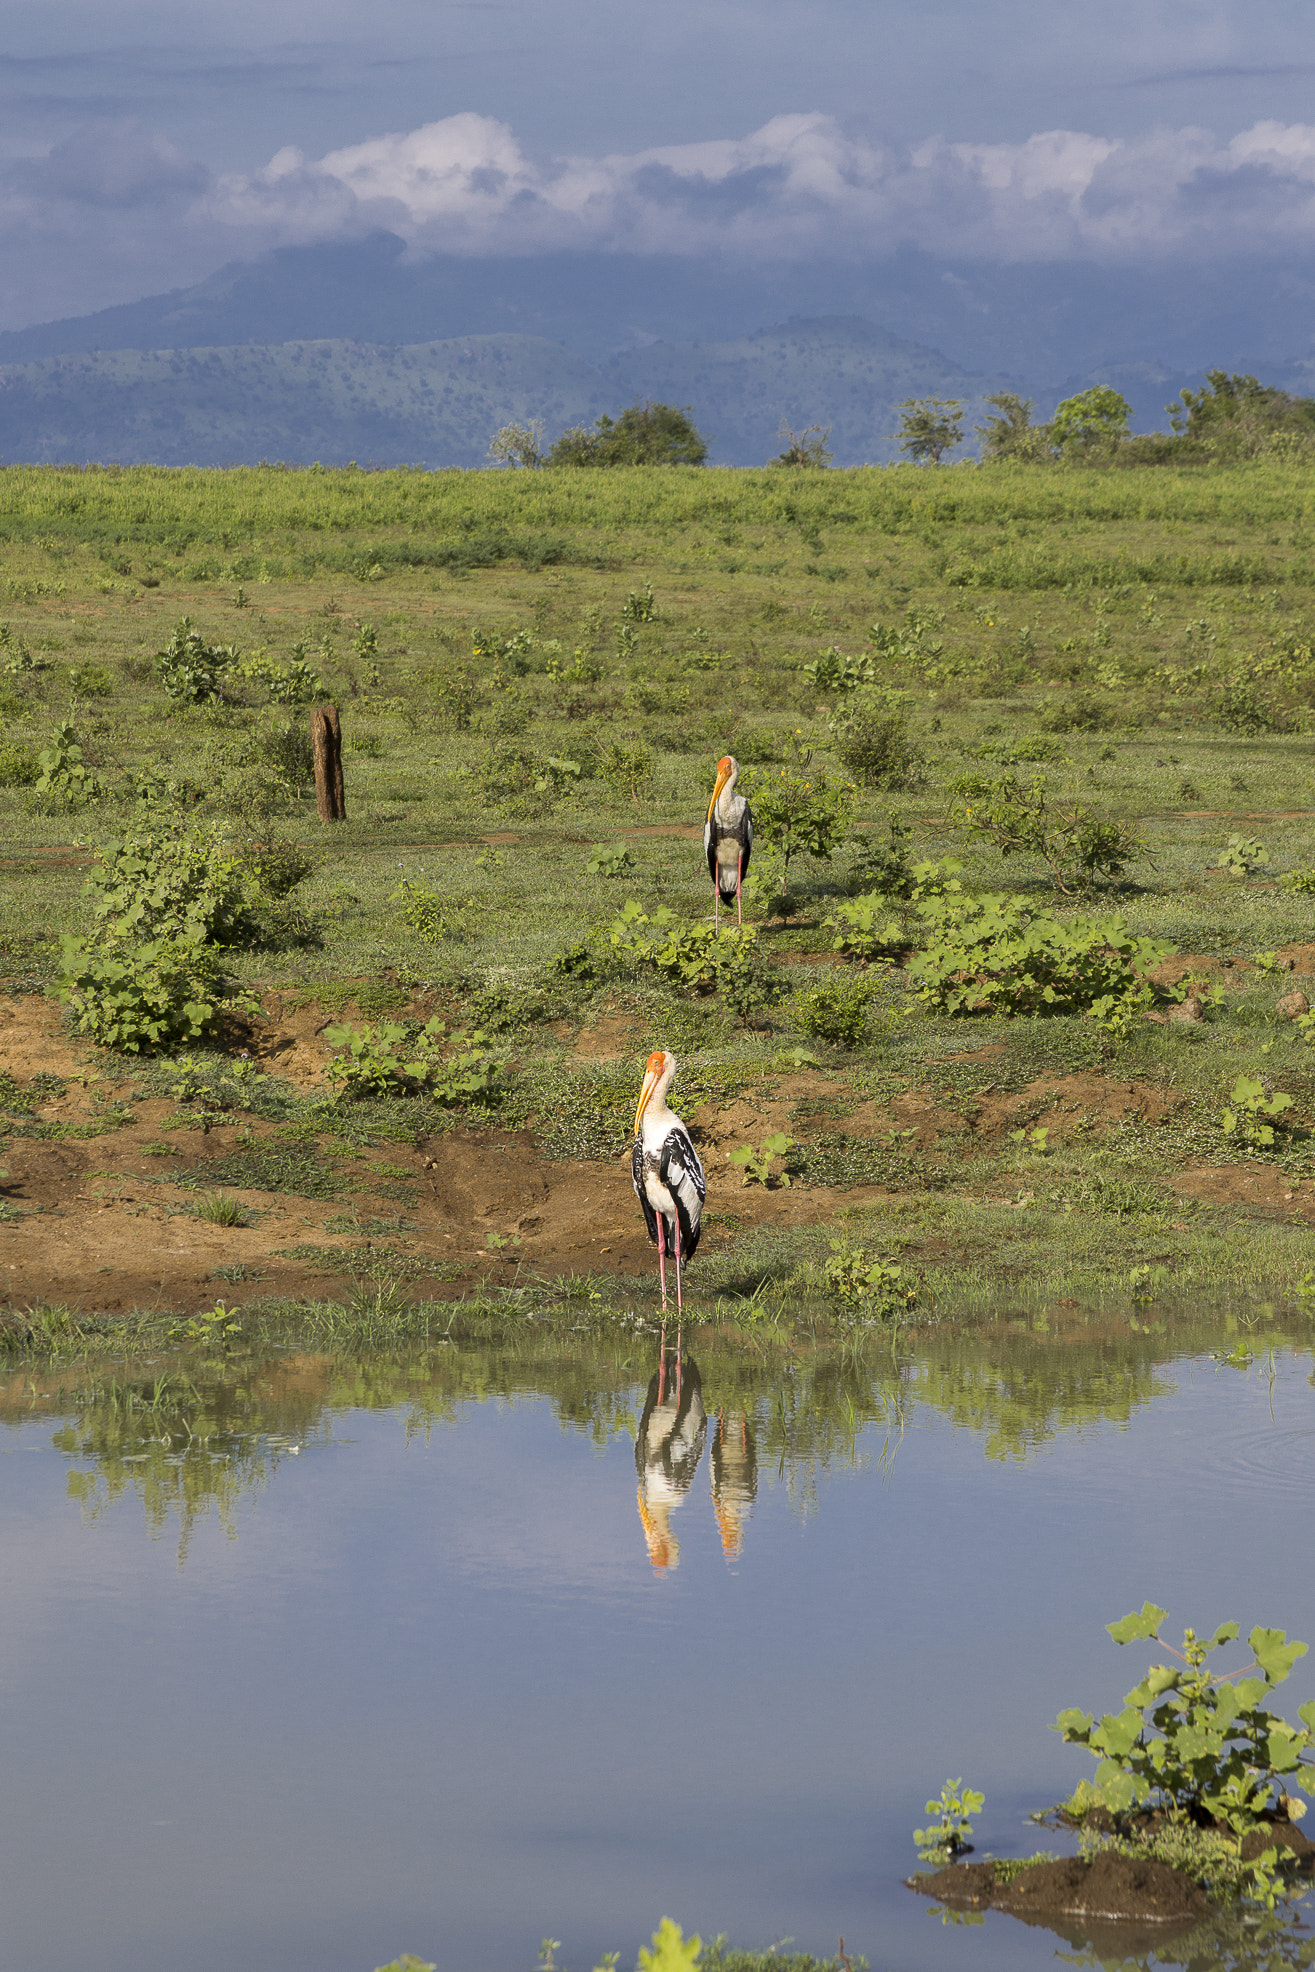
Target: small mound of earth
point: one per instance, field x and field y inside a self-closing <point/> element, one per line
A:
<point x="1111" y="1888"/>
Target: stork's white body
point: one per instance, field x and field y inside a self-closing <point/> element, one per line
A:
<point x="727" y="838"/>
<point x="667" y="1173"/>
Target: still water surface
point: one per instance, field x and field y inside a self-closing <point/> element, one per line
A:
<point x="419" y="1655"/>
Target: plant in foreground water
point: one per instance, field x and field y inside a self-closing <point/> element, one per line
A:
<point x="943" y="1840"/>
<point x="1195" y="1743"/>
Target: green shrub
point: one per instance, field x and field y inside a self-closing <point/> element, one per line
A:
<point x="947" y="1837"/>
<point x="1301" y="880"/>
<point x="837" y="1013"/>
<point x="690" y="954"/>
<point x="295" y="683"/>
<point x="1195" y="1743"/>
<point x="1000" y="954"/>
<point x="796" y="812"/>
<point x="864" y="1281"/>
<point x="387" y="1059"/>
<point x="884" y="923"/>
<point x="190" y="669"/>
<point x="65" y="777"/>
<point x="19" y="766"/>
<point x="91" y="681"/>
<point x="191" y="884"/>
<point x="1252" y="1114"/>
<point x="874" y="746"/>
<point x="1243" y="856"/>
<point x="1020" y="819"/>
<point x="145" y="996"/>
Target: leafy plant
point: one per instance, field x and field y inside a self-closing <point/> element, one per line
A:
<point x="798" y="813"/>
<point x="999" y="953"/>
<point x="837" y="1013"/>
<point x="1195" y="1743"/>
<point x="874" y="746"/>
<point x="64" y="775"/>
<point x="1021" y="819"/>
<point x="1301" y="880"/>
<point x="835" y="673"/>
<point x="432" y="917"/>
<point x="385" y="1059"/>
<point x="945" y="1839"/>
<point x="757" y="1164"/>
<point x="865" y="1281"/>
<point x="930" y="426"/>
<point x="689" y="954"/>
<point x="671" y="1950"/>
<point x="144" y="995"/>
<point x="297" y="683"/>
<point x="611" y="859"/>
<point x="190" y="669"/>
<point x="215" y="1329"/>
<point x="90" y="680"/>
<point x="1251" y="1114"/>
<point x="639" y="606"/>
<point x="518" y="445"/>
<point x="1242" y="856"/>
<point x="19" y="765"/>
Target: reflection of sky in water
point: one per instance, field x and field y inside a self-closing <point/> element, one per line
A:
<point x="434" y="1696"/>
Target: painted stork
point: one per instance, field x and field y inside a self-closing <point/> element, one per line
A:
<point x="727" y="839"/>
<point x="668" y="1446"/>
<point x="669" y="1180"/>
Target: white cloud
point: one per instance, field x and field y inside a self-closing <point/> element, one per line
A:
<point x="798" y="187"/>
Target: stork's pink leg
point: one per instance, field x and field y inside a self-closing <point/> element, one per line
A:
<point x="716" y="905"/>
<point x="739" y="879"/>
<point x="679" y="1309"/>
<point x="662" y="1258"/>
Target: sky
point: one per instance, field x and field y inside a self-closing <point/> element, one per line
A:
<point x="142" y="145"/>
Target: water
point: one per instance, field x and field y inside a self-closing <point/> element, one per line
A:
<point x="379" y="1659"/>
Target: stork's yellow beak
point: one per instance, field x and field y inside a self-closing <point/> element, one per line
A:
<point x="652" y="1076"/>
<point x="723" y="775"/>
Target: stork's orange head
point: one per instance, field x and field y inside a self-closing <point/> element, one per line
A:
<point x="726" y="769"/>
<point x="659" y="1067"/>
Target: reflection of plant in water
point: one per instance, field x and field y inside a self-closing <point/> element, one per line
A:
<point x="182" y="1446"/>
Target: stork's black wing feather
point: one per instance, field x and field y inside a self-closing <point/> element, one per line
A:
<point x="682" y="1173"/>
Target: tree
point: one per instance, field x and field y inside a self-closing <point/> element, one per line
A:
<point x="518" y="445"/>
<point x="644" y="435"/>
<point x="930" y="426"/>
<point x="803" y="448"/>
<point x="1240" y="409"/>
<point x="1011" y="433"/>
<point x="1095" y="415"/>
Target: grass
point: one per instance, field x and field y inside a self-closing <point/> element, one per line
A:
<point x="1140" y="633"/>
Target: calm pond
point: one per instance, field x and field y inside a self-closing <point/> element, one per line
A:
<point x="313" y="1660"/>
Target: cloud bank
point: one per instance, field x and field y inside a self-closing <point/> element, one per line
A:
<point x="115" y="211"/>
<point x="798" y="187"/>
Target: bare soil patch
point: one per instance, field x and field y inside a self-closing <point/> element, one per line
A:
<point x="1119" y="1903"/>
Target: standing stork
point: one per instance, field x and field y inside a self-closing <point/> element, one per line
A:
<point x="727" y="839"/>
<point x="669" y="1181"/>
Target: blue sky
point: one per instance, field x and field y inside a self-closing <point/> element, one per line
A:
<point x="141" y="146"/>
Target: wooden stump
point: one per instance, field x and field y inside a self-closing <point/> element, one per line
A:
<point x="326" y="743"/>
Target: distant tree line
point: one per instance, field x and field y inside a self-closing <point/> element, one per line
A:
<point x="1229" y="417"/>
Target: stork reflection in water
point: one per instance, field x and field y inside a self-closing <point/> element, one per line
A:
<point x="734" y="1477"/>
<point x="668" y="1447"/>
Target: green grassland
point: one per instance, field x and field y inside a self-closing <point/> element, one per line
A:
<point x="1140" y="637"/>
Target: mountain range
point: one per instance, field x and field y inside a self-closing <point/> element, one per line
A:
<point x="356" y="351"/>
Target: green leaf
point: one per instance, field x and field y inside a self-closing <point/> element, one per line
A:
<point x="1118" y="1732"/>
<point x="1274" y="1654"/>
<point x="1140" y="1623"/>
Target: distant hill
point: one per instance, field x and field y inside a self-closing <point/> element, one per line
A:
<point x="438" y="403"/>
